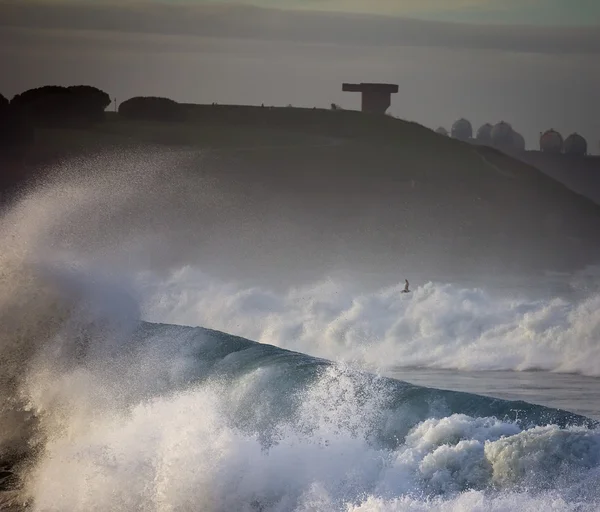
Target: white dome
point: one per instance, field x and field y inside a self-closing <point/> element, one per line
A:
<point x="484" y="134"/>
<point x="518" y="141"/>
<point x="502" y="135"/>
<point x="442" y="131"/>
<point x="575" y="144"/>
<point x="551" y="142"/>
<point x="462" y="130"/>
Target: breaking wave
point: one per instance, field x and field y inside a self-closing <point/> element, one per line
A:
<point x="100" y="410"/>
<point x="437" y="325"/>
<point x="129" y="415"/>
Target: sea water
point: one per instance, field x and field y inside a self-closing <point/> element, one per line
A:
<point x="177" y="390"/>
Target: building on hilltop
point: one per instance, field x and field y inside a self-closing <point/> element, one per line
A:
<point x="575" y="144"/>
<point x="502" y="135"/>
<point x="462" y="130"/>
<point x="376" y="98"/>
<point x="551" y="142"/>
<point x="484" y="134"/>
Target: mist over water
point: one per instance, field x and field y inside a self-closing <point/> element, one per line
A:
<point x="437" y="325"/>
<point x="106" y="412"/>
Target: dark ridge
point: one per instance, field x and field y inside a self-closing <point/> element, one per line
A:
<point x="368" y="192"/>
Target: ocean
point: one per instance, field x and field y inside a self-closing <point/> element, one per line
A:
<point x="127" y="387"/>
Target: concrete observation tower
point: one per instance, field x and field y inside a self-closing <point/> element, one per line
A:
<point x="376" y="98"/>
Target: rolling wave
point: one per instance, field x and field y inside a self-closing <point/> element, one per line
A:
<point x="130" y="415"/>
<point x="100" y="410"/>
<point x="437" y="325"/>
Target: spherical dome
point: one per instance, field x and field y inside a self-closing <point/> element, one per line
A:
<point x="518" y="141"/>
<point x="502" y="135"/>
<point x="462" y="130"/>
<point x="442" y="131"/>
<point x="575" y="144"/>
<point x="484" y="134"/>
<point x="551" y="142"/>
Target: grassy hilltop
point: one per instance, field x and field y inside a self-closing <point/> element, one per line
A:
<point x="225" y="126"/>
<point x="371" y="192"/>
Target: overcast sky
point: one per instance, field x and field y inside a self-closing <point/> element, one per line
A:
<point x="533" y="63"/>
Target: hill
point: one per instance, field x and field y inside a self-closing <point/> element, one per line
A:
<point x="579" y="173"/>
<point x="319" y="190"/>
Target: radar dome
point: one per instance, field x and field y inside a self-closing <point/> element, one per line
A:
<point x="502" y="135"/>
<point x="551" y="142"/>
<point x="575" y="144"/>
<point x="462" y="130"/>
<point x="442" y="131"/>
<point x="484" y="134"/>
<point x="518" y="141"/>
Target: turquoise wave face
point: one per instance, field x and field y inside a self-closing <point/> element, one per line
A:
<point x="217" y="355"/>
<point x="127" y="415"/>
<point x="171" y="417"/>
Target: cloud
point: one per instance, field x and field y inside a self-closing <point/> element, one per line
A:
<point x="389" y="7"/>
<point x="268" y="24"/>
<point x="528" y="12"/>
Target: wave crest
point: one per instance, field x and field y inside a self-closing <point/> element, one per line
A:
<point x="438" y="325"/>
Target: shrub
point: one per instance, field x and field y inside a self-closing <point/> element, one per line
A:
<point x="151" y="108"/>
<point x="56" y="105"/>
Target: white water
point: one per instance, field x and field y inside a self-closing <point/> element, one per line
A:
<point x="107" y="219"/>
<point x="180" y="453"/>
<point x="194" y="449"/>
<point x="129" y="432"/>
<point x="437" y="325"/>
<point x="125" y="432"/>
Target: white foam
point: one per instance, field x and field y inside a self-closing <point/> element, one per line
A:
<point x="122" y="428"/>
<point x="183" y="451"/>
<point x="475" y="501"/>
<point x="437" y="325"/>
<point x="129" y="427"/>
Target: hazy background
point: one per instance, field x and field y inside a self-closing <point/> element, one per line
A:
<point x="534" y="77"/>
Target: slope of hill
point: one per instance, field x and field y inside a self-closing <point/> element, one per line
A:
<point x="317" y="191"/>
<point x="427" y="209"/>
<point x="580" y="174"/>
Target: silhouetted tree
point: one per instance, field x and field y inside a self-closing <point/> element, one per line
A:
<point x="90" y="101"/>
<point x="56" y="105"/>
<point x="151" y="108"/>
<point x="14" y="131"/>
<point x="5" y="124"/>
<point x="15" y="137"/>
<point x="48" y="104"/>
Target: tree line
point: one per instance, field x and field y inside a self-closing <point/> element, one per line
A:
<point x="56" y="105"/>
<point x="50" y="105"/>
<point x="73" y="106"/>
<point x="53" y="106"/>
<point x="47" y="106"/>
<point x="77" y="105"/>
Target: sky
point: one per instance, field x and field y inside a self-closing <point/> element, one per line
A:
<point x="532" y="63"/>
<point x="537" y="12"/>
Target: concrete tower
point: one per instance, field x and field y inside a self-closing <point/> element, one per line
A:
<point x="376" y="98"/>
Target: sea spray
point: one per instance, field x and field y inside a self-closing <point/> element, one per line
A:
<point x="438" y="325"/>
<point x="162" y="417"/>
<point x="113" y="413"/>
<point x="261" y="428"/>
